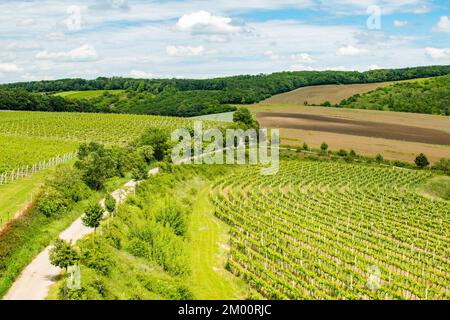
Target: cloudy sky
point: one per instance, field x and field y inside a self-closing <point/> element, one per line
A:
<point x="49" y="39"/>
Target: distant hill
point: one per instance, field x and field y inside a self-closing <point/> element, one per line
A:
<point x="431" y="96"/>
<point x="187" y="97"/>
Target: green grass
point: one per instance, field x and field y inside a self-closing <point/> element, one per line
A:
<point x="437" y="187"/>
<point x="15" y="195"/>
<point x="89" y="94"/>
<point x="208" y="254"/>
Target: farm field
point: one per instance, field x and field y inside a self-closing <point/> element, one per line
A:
<point x="88" y="94"/>
<point x="22" y="151"/>
<point x="316" y="95"/>
<point x="395" y="135"/>
<point x="85" y="127"/>
<point x="336" y="231"/>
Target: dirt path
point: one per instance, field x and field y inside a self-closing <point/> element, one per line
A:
<point x="36" y="279"/>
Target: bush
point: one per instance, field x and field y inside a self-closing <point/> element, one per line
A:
<point x="96" y="256"/>
<point x="110" y="203"/>
<point x="421" y="161"/>
<point x="51" y="202"/>
<point x="174" y="217"/>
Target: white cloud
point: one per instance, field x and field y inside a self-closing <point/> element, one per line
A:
<point x="184" y="51"/>
<point x="84" y="53"/>
<point x="203" y="22"/>
<point x="400" y="23"/>
<point x="374" y="67"/>
<point x="139" y="74"/>
<point x="218" y="38"/>
<point x="438" y="54"/>
<point x="9" y="68"/>
<point x="26" y="22"/>
<point x="55" y="36"/>
<point x="271" y="55"/>
<point x="351" y="51"/>
<point x="443" y="25"/>
<point x="300" y="67"/>
<point x="302" y="58"/>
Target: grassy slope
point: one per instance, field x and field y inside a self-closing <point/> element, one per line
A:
<point x="209" y="240"/>
<point x="437" y="187"/>
<point x="144" y="279"/>
<point x="90" y="94"/>
<point x="15" y="195"/>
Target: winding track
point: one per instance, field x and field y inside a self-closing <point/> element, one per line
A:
<point x="36" y="279"/>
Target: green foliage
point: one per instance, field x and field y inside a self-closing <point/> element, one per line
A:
<point x="430" y="96"/>
<point x="68" y="181"/>
<point x="95" y="255"/>
<point x="110" y="203"/>
<point x="421" y="161"/>
<point x="379" y="158"/>
<point x="93" y="215"/>
<point x="443" y="165"/>
<point x="51" y="202"/>
<point x="189" y="97"/>
<point x="63" y="254"/>
<point x="158" y="139"/>
<point x="174" y="217"/>
<point x="305" y="146"/>
<point x="324" y="147"/>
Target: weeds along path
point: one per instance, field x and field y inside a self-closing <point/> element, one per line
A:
<point x="36" y="279"/>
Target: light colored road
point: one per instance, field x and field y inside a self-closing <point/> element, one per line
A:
<point x="36" y="279"/>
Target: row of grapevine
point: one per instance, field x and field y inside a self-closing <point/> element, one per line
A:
<point x="336" y="231"/>
<point x="25" y="171"/>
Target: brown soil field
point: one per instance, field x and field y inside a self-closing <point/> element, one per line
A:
<point x="390" y="149"/>
<point x="353" y="127"/>
<point x="397" y="118"/>
<point x="316" y="95"/>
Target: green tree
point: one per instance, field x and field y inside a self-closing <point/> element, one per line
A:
<point x="110" y="203"/>
<point x="96" y="164"/>
<point x="93" y="216"/>
<point x="63" y="254"/>
<point x="158" y="139"/>
<point x="305" y="146"/>
<point x="379" y="158"/>
<point x="324" y="147"/>
<point x="243" y="115"/>
<point x="422" y="161"/>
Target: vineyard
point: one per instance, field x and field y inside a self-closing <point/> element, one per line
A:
<point x="81" y="127"/>
<point x="336" y="231"/>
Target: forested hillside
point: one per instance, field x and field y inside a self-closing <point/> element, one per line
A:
<point x="430" y="96"/>
<point x="187" y="97"/>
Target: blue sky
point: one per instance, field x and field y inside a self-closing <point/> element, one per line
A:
<point x="52" y="39"/>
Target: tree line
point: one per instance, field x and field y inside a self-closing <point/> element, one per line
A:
<point x="188" y="97"/>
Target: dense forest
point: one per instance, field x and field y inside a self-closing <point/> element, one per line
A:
<point x="188" y="97"/>
<point x="430" y="96"/>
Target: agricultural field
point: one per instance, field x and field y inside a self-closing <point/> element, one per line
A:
<point x="322" y="230"/>
<point x="82" y="127"/>
<point x="23" y="151"/>
<point x="316" y="95"/>
<point x="88" y="94"/>
<point x="395" y="135"/>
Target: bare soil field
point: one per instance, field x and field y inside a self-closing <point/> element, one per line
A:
<point x="386" y="117"/>
<point x="316" y="95"/>
<point x="390" y="149"/>
<point x="354" y="127"/>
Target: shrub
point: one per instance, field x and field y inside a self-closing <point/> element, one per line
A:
<point x="422" y="161"/>
<point x="95" y="255"/>
<point x="110" y="203"/>
<point x="173" y="216"/>
<point x="51" y="202"/>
